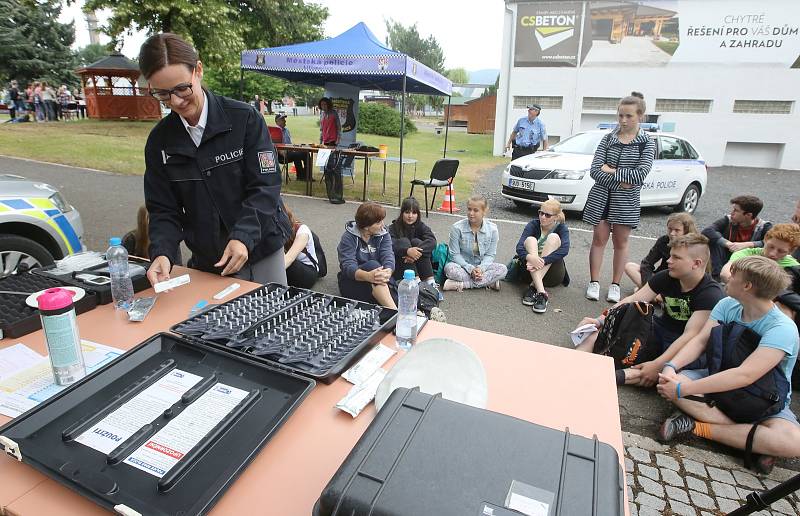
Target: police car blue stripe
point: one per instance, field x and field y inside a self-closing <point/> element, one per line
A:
<point x="66" y="227"/>
<point x="52" y="213"/>
<point x="18" y="204"/>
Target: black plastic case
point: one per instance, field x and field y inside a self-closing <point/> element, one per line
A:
<point x="103" y="292"/>
<point x="425" y="455"/>
<point x="16" y="317"/>
<point x="239" y="336"/>
<point x="40" y="437"/>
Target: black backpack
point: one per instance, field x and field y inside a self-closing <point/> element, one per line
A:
<point x="321" y="263"/>
<point x="728" y="347"/>
<point x="625" y="333"/>
<point x="428" y="297"/>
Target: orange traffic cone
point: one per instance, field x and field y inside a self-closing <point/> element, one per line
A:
<point x="449" y="202"/>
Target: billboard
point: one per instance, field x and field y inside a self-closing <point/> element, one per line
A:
<point x="658" y="33"/>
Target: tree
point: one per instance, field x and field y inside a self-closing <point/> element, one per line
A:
<point x="35" y="45"/>
<point x="492" y="90"/>
<point x="220" y="30"/>
<point x="458" y="75"/>
<point x="92" y="53"/>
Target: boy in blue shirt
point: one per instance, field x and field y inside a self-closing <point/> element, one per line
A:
<point x="755" y="281"/>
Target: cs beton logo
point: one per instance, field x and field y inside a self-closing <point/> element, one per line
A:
<point x="550" y="29"/>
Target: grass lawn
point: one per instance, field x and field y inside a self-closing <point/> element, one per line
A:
<point x="118" y="146"/>
<point x="667" y="46"/>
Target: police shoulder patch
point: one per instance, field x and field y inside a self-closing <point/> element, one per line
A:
<point x="266" y="162"/>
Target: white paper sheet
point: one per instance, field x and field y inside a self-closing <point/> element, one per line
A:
<point x="170" y="444"/>
<point x="15" y="358"/>
<point x="579" y="334"/>
<point x="30" y="385"/>
<point x="142" y="409"/>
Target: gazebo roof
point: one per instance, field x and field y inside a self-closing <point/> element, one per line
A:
<point x="114" y="63"/>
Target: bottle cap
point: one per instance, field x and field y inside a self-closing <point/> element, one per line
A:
<point x="409" y="274"/>
<point x="115" y="241"/>
<point x="55" y="299"/>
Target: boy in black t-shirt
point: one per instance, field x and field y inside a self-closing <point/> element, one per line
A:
<point x="689" y="294"/>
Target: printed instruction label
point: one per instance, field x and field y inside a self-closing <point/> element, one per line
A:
<point x="140" y="410"/>
<point x="170" y="444"/>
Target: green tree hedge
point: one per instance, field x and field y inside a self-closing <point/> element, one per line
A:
<point x="374" y="118"/>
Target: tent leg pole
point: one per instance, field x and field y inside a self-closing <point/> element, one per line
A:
<point x="402" y="135"/>
<point x="241" y="85"/>
<point x="446" y="126"/>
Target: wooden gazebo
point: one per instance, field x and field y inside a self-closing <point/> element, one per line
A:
<point x="112" y="91"/>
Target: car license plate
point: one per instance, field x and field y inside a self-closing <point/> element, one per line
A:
<point x="523" y="185"/>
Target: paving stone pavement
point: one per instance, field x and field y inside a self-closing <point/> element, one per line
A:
<point x="687" y="481"/>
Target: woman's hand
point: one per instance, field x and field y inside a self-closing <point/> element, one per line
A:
<point x="414" y="253"/>
<point x="233" y="258"/>
<point x="608" y="169"/>
<point x="534" y="263"/>
<point x="668" y="385"/>
<point x="380" y="276"/>
<point x="159" y="270"/>
<point x="477" y="274"/>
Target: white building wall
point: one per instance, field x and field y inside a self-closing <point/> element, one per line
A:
<point x="708" y="132"/>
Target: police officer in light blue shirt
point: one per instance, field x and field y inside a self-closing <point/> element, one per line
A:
<point x="529" y="133"/>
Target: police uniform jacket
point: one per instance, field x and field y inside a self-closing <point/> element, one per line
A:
<point x="227" y="188"/>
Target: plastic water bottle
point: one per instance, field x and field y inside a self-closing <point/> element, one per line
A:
<point x="408" y="294"/>
<point x="121" y="285"/>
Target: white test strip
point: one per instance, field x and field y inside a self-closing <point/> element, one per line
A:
<point x="227" y="290"/>
<point x="161" y="286"/>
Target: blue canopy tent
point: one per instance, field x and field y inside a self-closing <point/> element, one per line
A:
<point x="355" y="57"/>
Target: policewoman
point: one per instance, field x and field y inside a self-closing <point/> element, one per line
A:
<point x="528" y="135"/>
<point x="211" y="175"/>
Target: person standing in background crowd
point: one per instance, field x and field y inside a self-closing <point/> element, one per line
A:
<point x="49" y="99"/>
<point x="231" y="217"/>
<point x="38" y="105"/>
<point x="64" y="98"/>
<point x="621" y="162"/>
<point x="329" y="126"/>
<point x="528" y="134"/>
<point x="740" y="229"/>
<point x="13" y="100"/>
<point x="81" y="102"/>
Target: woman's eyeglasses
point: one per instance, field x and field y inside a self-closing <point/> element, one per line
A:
<point x="181" y="91"/>
<point x="546" y="215"/>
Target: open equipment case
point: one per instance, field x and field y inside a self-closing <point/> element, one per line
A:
<point x="185" y="457"/>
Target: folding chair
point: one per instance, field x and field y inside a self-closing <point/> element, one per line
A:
<point x="442" y="175"/>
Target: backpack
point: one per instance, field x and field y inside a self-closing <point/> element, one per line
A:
<point x="428" y="298"/>
<point x="624" y="335"/>
<point x="321" y="262"/>
<point x="729" y="345"/>
<point x="439" y="258"/>
<point x="791" y="299"/>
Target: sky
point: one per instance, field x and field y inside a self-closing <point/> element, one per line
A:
<point x="470" y="32"/>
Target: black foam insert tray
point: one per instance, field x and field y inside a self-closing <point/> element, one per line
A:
<point x="103" y="291"/>
<point x="17" y="318"/>
<point x="311" y="333"/>
<point x="51" y="436"/>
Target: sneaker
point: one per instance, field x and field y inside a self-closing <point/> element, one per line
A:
<point x="763" y="464"/>
<point x="540" y="302"/>
<point x="593" y="291"/>
<point x="613" y="293"/>
<point x="494" y="286"/>
<point x="439" y="294"/>
<point x="453" y="285"/>
<point x="529" y="296"/>
<point x="337" y="201"/>
<point x="437" y="315"/>
<point x="676" y="425"/>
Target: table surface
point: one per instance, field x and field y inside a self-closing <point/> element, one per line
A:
<point x="392" y="159"/>
<point x="309" y="148"/>
<point x="537" y="382"/>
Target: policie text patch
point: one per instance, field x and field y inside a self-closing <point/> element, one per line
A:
<point x="266" y="162"/>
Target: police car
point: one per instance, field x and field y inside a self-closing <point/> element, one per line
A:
<point x="37" y="225"/>
<point x="677" y="179"/>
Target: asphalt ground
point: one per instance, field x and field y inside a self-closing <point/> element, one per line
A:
<point x="108" y="203"/>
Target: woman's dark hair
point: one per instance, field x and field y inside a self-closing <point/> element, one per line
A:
<point x="142" y="232"/>
<point x="165" y="49"/>
<point x="368" y="214"/>
<point x="295" y="224"/>
<point x="410" y="204"/>
<point x="635" y="99"/>
<point x="327" y="101"/>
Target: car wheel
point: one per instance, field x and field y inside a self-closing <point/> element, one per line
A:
<point x="19" y="254"/>
<point x="522" y="204"/>
<point x="690" y="200"/>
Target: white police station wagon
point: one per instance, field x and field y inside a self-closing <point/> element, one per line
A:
<point x="677" y="179"/>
